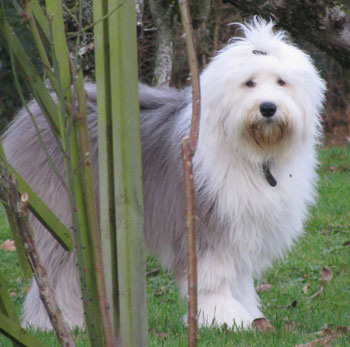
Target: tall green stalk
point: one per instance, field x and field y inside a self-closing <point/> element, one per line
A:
<point x="127" y="173"/>
<point x="105" y="160"/>
<point x="121" y="210"/>
<point x="82" y="232"/>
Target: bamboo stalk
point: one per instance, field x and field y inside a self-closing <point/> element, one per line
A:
<point x="6" y="305"/>
<point x="41" y="19"/>
<point x="91" y="210"/>
<point x="189" y="145"/>
<point x="16" y="333"/>
<point x="40" y="45"/>
<point x="105" y="160"/>
<point x="127" y="174"/>
<point x="83" y="242"/>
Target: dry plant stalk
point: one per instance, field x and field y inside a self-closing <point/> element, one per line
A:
<point x="20" y="207"/>
<point x="189" y="145"/>
<point x="187" y="155"/>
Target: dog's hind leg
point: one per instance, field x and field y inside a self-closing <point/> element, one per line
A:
<point x="62" y="273"/>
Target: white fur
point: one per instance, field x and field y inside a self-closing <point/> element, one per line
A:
<point x="243" y="222"/>
<point x="261" y="221"/>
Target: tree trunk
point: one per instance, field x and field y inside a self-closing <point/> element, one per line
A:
<point x="326" y="24"/>
<point x="163" y="14"/>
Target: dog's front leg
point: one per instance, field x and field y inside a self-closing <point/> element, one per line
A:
<point x="221" y="294"/>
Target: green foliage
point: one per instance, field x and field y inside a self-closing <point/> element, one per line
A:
<point x="289" y="304"/>
<point x="9" y="99"/>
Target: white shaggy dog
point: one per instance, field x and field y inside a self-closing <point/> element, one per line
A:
<point x="254" y="174"/>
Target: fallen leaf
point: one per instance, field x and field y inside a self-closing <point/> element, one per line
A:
<point x="263" y="287"/>
<point x="8" y="245"/>
<point x="288" y="326"/>
<point x="343" y="168"/>
<point x="306" y="288"/>
<point x="162" y="335"/>
<point x="318" y="293"/>
<point x="327" y="336"/>
<point x="161" y="291"/>
<point x="326" y="274"/>
<point x="338" y="168"/>
<point x="322" y="342"/>
<point x="263" y="325"/>
<point x="342" y="330"/>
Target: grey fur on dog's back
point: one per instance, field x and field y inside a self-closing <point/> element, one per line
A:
<point x="159" y="110"/>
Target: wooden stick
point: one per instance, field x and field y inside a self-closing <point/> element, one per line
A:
<point x="187" y="155"/>
<point x="189" y="145"/>
<point x="193" y="64"/>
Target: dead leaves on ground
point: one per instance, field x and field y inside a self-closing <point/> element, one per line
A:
<point x="339" y="168"/>
<point x="8" y="245"/>
<point x="160" y="292"/>
<point x="326" y="336"/>
<point x="318" y="293"/>
<point x="263" y="325"/>
<point x="326" y="274"/>
<point x="263" y="287"/>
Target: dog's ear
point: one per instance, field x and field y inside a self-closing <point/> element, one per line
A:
<point x="255" y="51"/>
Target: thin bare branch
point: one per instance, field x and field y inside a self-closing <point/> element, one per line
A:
<point x="189" y="145"/>
<point x="187" y="156"/>
<point x="193" y="63"/>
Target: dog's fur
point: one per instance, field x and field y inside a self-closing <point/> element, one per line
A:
<point x="244" y="221"/>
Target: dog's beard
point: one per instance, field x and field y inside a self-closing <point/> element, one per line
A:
<point x="268" y="133"/>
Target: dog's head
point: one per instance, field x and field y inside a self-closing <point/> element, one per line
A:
<point x="261" y="93"/>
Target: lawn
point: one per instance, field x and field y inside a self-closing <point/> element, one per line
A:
<point x="306" y="296"/>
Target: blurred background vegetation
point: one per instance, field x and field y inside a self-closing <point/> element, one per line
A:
<point x="211" y="34"/>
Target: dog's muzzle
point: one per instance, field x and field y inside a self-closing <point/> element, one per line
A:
<point x="268" y="126"/>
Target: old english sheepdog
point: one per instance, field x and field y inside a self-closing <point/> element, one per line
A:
<point x="255" y="175"/>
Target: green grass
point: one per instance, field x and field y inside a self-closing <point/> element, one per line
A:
<point x="295" y="315"/>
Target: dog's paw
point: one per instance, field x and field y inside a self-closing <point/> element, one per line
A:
<point x="218" y="310"/>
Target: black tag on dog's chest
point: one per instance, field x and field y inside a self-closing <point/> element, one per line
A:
<point x="268" y="175"/>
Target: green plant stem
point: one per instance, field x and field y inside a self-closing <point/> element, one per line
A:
<point x="16" y="333"/>
<point x="91" y="209"/>
<point x="127" y="173"/>
<point x="105" y="161"/>
<point x="83" y="242"/>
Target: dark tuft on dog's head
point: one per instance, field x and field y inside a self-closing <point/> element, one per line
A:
<point x="255" y="51"/>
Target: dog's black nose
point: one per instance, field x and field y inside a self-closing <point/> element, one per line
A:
<point x="268" y="109"/>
